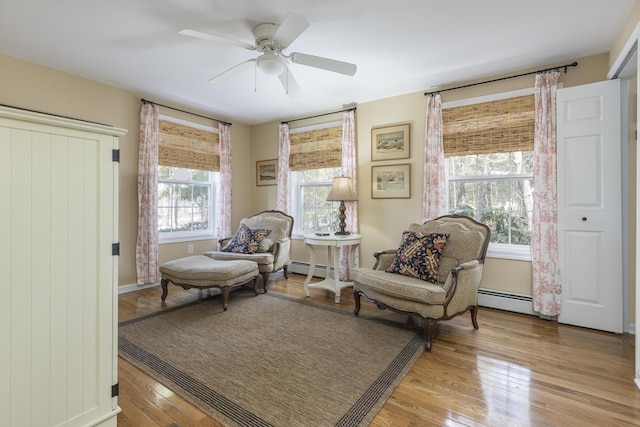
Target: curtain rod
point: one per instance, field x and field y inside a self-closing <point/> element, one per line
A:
<point x="144" y="101"/>
<point x="318" y="115"/>
<point x="565" y="66"/>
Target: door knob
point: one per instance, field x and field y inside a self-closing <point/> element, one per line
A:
<point x="584" y="218"/>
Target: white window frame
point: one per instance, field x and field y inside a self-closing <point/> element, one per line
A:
<point x="213" y="183"/>
<point x="296" y="197"/>
<point x="497" y="250"/>
<point x="295" y="186"/>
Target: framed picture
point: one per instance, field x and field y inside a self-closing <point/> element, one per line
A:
<point x="391" y="182"/>
<point x="390" y="142"/>
<point x="267" y="172"/>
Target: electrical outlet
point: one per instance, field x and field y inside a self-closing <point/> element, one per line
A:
<point x="190" y="249"/>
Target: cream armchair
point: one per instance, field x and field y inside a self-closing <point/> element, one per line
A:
<point x="457" y="278"/>
<point x="273" y="251"/>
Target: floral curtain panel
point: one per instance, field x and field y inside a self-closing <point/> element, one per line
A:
<point x="282" y="192"/>
<point x="147" y="240"/>
<point x="223" y="201"/>
<point x="544" y="233"/>
<point x="435" y="185"/>
<point x="349" y="169"/>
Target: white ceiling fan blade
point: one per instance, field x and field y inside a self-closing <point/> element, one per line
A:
<point x="292" y="26"/>
<point x="232" y="71"/>
<point x="217" y="39"/>
<point x="324" y="63"/>
<point x="289" y="84"/>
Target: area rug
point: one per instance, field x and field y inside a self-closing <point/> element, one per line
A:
<point x="273" y="361"/>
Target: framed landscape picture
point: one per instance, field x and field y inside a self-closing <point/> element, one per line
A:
<point x="390" y="142"/>
<point x="391" y="181"/>
<point x="267" y="172"/>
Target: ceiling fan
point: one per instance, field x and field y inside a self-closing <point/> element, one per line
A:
<point x="271" y="40"/>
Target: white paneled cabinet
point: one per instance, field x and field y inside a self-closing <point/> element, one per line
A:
<point x="58" y="271"/>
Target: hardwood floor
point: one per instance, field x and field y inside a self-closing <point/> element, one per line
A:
<point x="516" y="370"/>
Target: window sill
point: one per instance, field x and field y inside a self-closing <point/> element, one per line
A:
<point x="513" y="252"/>
<point x="185" y="238"/>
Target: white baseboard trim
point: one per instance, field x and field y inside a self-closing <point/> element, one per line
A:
<point x="135" y="287"/>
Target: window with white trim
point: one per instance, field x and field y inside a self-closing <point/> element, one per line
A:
<point x="315" y="159"/>
<point x="188" y="170"/>
<point x="309" y="197"/>
<point x="489" y="165"/>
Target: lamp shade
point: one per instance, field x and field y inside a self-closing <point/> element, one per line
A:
<point x="271" y="64"/>
<point x="342" y="190"/>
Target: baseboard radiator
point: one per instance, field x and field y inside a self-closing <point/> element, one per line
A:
<point x="303" y="268"/>
<point x="502" y="300"/>
<point x="486" y="297"/>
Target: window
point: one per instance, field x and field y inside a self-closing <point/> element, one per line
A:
<point x="312" y="211"/>
<point x="188" y="166"/>
<point x="489" y="164"/>
<point x="184" y="201"/>
<point x="315" y="159"/>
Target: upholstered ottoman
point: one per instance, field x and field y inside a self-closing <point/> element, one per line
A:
<point x="202" y="272"/>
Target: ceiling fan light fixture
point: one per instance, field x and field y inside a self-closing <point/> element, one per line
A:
<point x="271" y="64"/>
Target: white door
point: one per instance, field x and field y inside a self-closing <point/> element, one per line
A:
<point x="590" y="205"/>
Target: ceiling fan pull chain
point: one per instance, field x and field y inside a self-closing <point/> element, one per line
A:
<point x="287" y="88"/>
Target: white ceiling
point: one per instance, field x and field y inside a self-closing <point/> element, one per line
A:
<point x="400" y="46"/>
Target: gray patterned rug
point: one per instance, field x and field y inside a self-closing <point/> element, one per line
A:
<point x="273" y="361"/>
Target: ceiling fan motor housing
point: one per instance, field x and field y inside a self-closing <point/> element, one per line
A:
<point x="263" y="35"/>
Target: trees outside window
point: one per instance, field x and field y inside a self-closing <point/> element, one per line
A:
<point x="185" y="199"/>
<point x="496" y="189"/>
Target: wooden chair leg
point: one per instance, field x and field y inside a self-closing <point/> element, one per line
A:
<point x="474" y="316"/>
<point x="257" y="283"/>
<point x="356" y="297"/>
<point x="165" y="290"/>
<point x="429" y="332"/>
<point x="285" y="270"/>
<point x="225" y="298"/>
<point x="265" y="279"/>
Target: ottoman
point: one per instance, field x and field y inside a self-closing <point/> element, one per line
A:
<point x="202" y="272"/>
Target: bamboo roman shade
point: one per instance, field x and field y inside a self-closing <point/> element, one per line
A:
<point x="316" y="149"/>
<point x="504" y="125"/>
<point x="187" y="147"/>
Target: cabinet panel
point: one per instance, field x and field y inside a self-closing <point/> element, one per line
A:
<point x="58" y="351"/>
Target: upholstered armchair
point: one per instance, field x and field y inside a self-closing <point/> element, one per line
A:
<point x="434" y="275"/>
<point x="264" y="238"/>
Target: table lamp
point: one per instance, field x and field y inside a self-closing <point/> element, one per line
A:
<point x="341" y="191"/>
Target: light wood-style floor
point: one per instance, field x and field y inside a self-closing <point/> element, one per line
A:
<point x="516" y="370"/>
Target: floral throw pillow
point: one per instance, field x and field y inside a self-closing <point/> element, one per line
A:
<point x="246" y="240"/>
<point x="418" y="255"/>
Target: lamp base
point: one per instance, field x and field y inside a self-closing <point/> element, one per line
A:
<point x="342" y="233"/>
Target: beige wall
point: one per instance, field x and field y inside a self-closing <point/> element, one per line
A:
<point x="382" y="221"/>
<point x="33" y="87"/>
